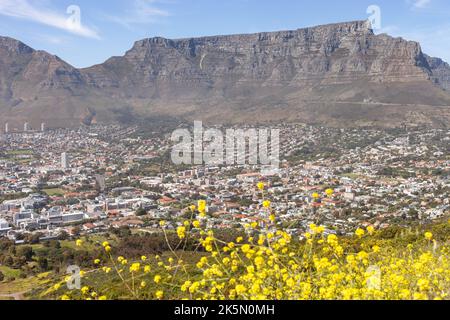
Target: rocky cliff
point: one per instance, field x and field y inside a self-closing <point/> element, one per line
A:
<point x="339" y="74"/>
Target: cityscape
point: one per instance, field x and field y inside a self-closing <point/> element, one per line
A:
<point x="89" y="180"/>
<point x="224" y="158"/>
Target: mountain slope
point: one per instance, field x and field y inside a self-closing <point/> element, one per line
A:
<point x="339" y="74"/>
<point x="38" y="87"/>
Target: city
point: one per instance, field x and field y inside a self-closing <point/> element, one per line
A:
<point x="89" y="180"/>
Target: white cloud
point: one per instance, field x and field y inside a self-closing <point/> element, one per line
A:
<point x="140" y="12"/>
<point x="23" y="9"/>
<point x="419" y="4"/>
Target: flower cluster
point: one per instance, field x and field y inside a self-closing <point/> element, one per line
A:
<point x="271" y="264"/>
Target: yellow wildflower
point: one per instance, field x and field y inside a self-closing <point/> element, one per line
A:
<point x="159" y="294"/>
<point x="181" y="231"/>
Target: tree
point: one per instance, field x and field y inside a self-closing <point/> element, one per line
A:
<point x="141" y="212"/>
<point x="43" y="263"/>
<point x="25" y="252"/>
<point x="2" y="276"/>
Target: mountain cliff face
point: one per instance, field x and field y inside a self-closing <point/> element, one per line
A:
<point x="440" y="72"/>
<point x="340" y="74"/>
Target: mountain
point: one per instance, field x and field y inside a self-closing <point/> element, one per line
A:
<point x="38" y="87"/>
<point x="339" y="74"/>
<point x="440" y="72"/>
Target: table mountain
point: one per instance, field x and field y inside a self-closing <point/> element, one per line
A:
<point x="339" y="74"/>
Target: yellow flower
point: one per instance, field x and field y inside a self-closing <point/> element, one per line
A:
<point x="162" y="223"/>
<point x="159" y="294"/>
<point x="315" y="195"/>
<point x="245" y="248"/>
<point x="329" y="192"/>
<point x="259" y="261"/>
<point x="97" y="261"/>
<point x="57" y="286"/>
<point x="266" y="204"/>
<point x="196" y="224"/>
<point x="429" y="236"/>
<point x="181" y="231"/>
<point x="359" y="232"/>
<point x="370" y="230"/>
<point x="65" y="297"/>
<point x="79" y="243"/>
<point x="157" y="279"/>
<point x="105" y="244"/>
<point x="85" y="290"/>
<point x="143" y="284"/>
<point x="261" y="186"/>
<point x="376" y="249"/>
<point x="201" y="205"/>
<point x="144" y="258"/>
<point x="135" y="267"/>
<point x="240" y="289"/>
<point x="193" y="208"/>
<point x="320" y="230"/>
<point x="102" y="298"/>
<point x="108" y="249"/>
<point x="147" y="269"/>
<point x="124" y="262"/>
<point x="120" y="259"/>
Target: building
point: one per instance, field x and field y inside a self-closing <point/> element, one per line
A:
<point x="4" y="227"/>
<point x="42" y="127"/>
<point x="26" y="127"/>
<point x="65" y="162"/>
<point x="23" y="217"/>
<point x="6" y="127"/>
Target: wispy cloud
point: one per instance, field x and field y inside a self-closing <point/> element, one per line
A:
<point x="420" y="4"/>
<point x="140" y="12"/>
<point x="23" y="9"/>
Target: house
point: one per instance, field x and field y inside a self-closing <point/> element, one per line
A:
<point x="4" y="227"/>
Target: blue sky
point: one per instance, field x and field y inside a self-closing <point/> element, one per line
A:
<point x="110" y="27"/>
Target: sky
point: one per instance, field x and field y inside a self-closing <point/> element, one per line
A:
<point x="86" y="32"/>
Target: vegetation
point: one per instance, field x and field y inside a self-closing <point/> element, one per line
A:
<point x="269" y="264"/>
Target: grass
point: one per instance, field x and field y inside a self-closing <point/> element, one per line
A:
<point x="9" y="272"/>
<point x="25" y="285"/>
<point x="19" y="152"/>
<point x="111" y="284"/>
<point x="352" y="176"/>
<point x="54" y="192"/>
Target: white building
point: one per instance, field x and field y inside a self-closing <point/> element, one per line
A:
<point x="4" y="227"/>
<point x="65" y="162"/>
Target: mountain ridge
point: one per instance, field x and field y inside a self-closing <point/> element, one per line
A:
<point x="338" y="74"/>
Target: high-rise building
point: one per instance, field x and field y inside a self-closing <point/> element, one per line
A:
<point x="26" y="127"/>
<point x="65" y="162"/>
<point x="6" y="127"/>
<point x="42" y="127"/>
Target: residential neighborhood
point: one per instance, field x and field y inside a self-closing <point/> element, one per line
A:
<point x="84" y="181"/>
